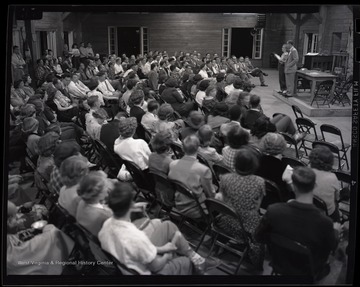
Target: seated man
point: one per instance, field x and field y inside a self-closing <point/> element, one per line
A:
<point x="282" y="122"/>
<point x="110" y="131"/>
<point x="106" y="88"/>
<point x="93" y="127"/>
<point x="77" y="89"/>
<point x="194" y="175"/>
<point x="300" y="220"/>
<point x="255" y="72"/>
<point x="163" y="251"/>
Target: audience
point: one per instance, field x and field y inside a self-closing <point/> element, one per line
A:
<point x="317" y="231"/>
<point x="206" y="134"/>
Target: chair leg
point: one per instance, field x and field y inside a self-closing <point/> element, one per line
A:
<point x="213" y="244"/>
<point x="346" y="159"/>
<point x="241" y="260"/>
<point x="201" y="239"/>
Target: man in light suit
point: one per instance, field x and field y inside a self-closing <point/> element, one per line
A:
<point x="290" y="69"/>
<point x="194" y="175"/>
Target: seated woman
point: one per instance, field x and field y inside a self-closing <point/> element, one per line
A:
<point x="165" y="114"/>
<point x="159" y="161"/>
<point x="244" y="191"/>
<point x="165" y="251"/>
<point x="50" y="245"/>
<point x="272" y="145"/>
<point x="30" y="127"/>
<point x="29" y="91"/>
<point x="261" y="127"/>
<point x="91" y="211"/>
<point x="72" y="171"/>
<point x="200" y="95"/>
<point x="45" y="163"/>
<point x="175" y="99"/>
<point x="211" y="97"/>
<point x="327" y="185"/>
<point x="206" y="134"/>
<point x="237" y="137"/>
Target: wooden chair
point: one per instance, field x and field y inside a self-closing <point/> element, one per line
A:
<point x="216" y="208"/>
<point x="323" y="91"/>
<point x="343" y="147"/>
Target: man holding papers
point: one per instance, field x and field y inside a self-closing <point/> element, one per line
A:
<point x="281" y="66"/>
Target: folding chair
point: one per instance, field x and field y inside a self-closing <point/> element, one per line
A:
<point x="107" y="161"/>
<point x="291" y="161"/>
<point x="216" y="208"/>
<point x="290" y="258"/>
<point x="343" y="147"/>
<point x="297" y="111"/>
<point x="289" y="151"/>
<point x="204" y="161"/>
<point x="344" y="200"/>
<point x="220" y="170"/>
<point x="319" y="203"/>
<point x="144" y="182"/>
<point x="323" y="91"/>
<point x="272" y="194"/>
<point x="177" y="149"/>
<point x="193" y="224"/>
<point x="341" y="90"/>
<point x="334" y="149"/>
<point x="307" y="126"/>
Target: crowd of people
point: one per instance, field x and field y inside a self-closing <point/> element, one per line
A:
<point x="139" y="107"/>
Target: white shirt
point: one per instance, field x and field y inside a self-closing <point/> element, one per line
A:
<point x="118" y="69"/>
<point x="148" y="120"/>
<point x="135" y="150"/>
<point x="69" y="199"/>
<point x="147" y="68"/>
<point x="78" y="90"/>
<point x="229" y="89"/>
<point x="128" y="244"/>
<point x="106" y="88"/>
<point x="203" y="74"/>
<point x="93" y="128"/>
<point x="200" y="97"/>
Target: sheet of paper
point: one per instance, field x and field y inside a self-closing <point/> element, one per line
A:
<point x="277" y="56"/>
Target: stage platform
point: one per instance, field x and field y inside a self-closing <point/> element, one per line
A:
<point x="302" y="100"/>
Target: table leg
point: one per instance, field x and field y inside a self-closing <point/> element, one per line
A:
<point x="312" y="91"/>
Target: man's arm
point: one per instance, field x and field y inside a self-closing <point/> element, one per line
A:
<point x="295" y="59"/>
<point x="206" y="183"/>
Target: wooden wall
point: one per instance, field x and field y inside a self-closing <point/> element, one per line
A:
<point x="167" y="31"/>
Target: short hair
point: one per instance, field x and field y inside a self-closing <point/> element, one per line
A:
<point x="245" y="161"/>
<point x="17" y="83"/>
<point x="92" y="100"/>
<point x="262" y="126"/>
<point x="291" y="42"/>
<point x="153" y="65"/>
<point x="55" y="81"/>
<point x="131" y="83"/>
<point x="101" y="73"/>
<point x="49" y="77"/>
<point x="64" y="150"/>
<point x="152" y="105"/>
<point x="254" y="100"/>
<point x="272" y="144"/>
<point x="191" y="144"/>
<point x="211" y="88"/>
<point x="73" y="169"/>
<point x="205" y="134"/>
<point x="47" y="143"/>
<point x="303" y="179"/>
<point x="204" y="84"/>
<point x="238" y="83"/>
<point x="121" y="198"/>
<point x="66" y="75"/>
<point x="136" y="97"/>
<point x="161" y="141"/>
<point x="92" y="185"/>
<point x="235" y="112"/>
<point x="162" y="62"/>
<point x="165" y="110"/>
<point x="321" y="158"/>
<point x="237" y="137"/>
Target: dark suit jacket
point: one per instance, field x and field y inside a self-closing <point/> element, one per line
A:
<point x="249" y="119"/>
<point x="109" y="133"/>
<point x="138" y="113"/>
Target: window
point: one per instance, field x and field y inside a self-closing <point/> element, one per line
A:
<point x="311" y="43"/>
<point x="226" y="41"/>
<point x="112" y="37"/>
<point x="144" y="40"/>
<point x="257" y="44"/>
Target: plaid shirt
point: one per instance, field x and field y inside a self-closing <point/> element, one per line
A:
<point x="55" y="183"/>
<point x="229" y="156"/>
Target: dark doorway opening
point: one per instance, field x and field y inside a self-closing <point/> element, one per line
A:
<point x="241" y="42"/>
<point x="128" y="40"/>
<point x="43" y="42"/>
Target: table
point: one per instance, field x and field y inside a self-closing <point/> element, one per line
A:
<point x="314" y="77"/>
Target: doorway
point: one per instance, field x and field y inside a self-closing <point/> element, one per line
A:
<point x="128" y="40"/>
<point x="241" y="42"/>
